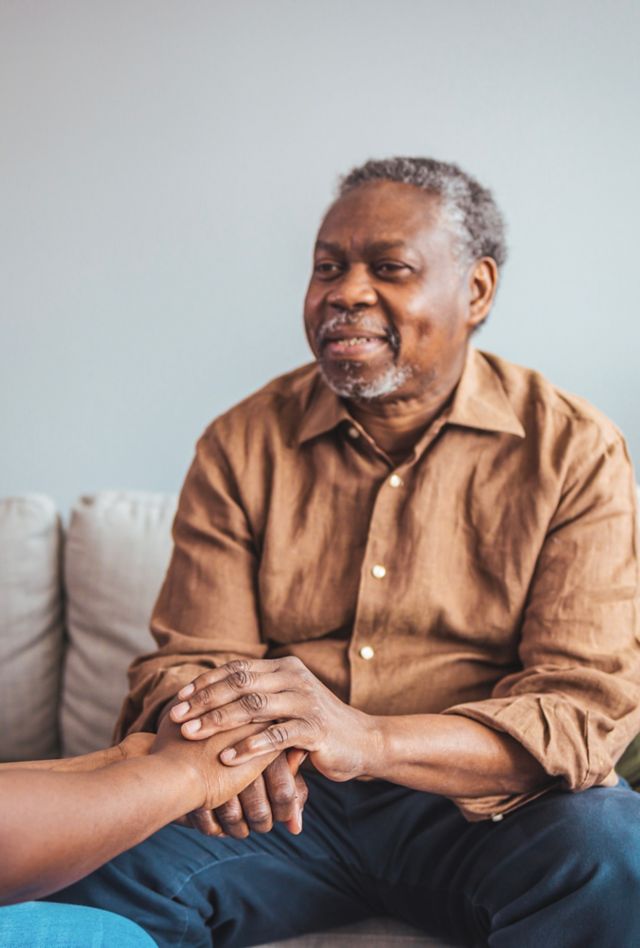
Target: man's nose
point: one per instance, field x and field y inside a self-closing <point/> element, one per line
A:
<point x="353" y="289"/>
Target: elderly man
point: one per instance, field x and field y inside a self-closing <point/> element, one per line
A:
<point x="418" y="563"/>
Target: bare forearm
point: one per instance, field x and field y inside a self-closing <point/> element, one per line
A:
<point x="57" y="827"/>
<point x="85" y="762"/>
<point x="135" y="745"/>
<point x="450" y="755"/>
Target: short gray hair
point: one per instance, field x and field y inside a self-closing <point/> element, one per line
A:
<point x="471" y="211"/>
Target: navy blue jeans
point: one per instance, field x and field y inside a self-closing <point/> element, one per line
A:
<point x="561" y="872"/>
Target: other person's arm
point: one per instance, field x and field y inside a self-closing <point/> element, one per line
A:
<point x="134" y="745"/>
<point x="57" y="826"/>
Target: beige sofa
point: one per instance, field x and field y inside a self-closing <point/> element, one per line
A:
<point x="74" y="610"/>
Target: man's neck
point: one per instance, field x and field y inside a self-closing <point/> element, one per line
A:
<point x="396" y="426"/>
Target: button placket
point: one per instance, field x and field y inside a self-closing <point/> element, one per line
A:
<point x="373" y="592"/>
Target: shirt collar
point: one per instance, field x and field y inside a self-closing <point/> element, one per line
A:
<point x="324" y="412"/>
<point x="479" y="401"/>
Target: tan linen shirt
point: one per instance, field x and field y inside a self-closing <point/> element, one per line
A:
<point x="492" y="574"/>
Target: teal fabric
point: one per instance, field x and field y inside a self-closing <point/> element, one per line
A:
<point x="49" y="925"/>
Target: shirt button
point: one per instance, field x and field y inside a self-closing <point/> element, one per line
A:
<point x="366" y="652"/>
<point x="497" y="817"/>
<point x="353" y="432"/>
<point x="395" y="480"/>
<point x="378" y="571"/>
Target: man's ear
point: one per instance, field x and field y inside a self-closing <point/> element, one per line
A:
<point x="483" y="283"/>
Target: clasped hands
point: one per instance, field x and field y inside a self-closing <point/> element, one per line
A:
<point x="300" y="716"/>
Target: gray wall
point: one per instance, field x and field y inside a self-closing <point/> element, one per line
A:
<point x="165" y="164"/>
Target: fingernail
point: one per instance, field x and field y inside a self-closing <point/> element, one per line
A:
<point x="181" y="709"/>
<point x="187" y="690"/>
<point x="192" y="726"/>
<point x="228" y="755"/>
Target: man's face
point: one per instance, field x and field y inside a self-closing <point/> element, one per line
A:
<point x="389" y="306"/>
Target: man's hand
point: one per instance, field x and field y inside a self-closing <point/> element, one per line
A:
<point x="278" y="795"/>
<point x="309" y="716"/>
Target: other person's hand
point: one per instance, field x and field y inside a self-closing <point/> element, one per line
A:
<point x="306" y="713"/>
<point x="216" y="783"/>
<point x="135" y="745"/>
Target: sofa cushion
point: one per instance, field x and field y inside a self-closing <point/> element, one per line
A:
<point x="117" y="550"/>
<point x="31" y="630"/>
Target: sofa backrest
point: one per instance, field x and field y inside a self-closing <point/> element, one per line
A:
<point x="31" y="627"/>
<point x="61" y="688"/>
<point x="116" y="553"/>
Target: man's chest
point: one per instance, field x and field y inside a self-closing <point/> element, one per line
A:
<point x="441" y="550"/>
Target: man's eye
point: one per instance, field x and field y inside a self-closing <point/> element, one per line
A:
<point x="326" y="269"/>
<point x="390" y="268"/>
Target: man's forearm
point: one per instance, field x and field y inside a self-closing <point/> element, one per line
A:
<point x="450" y="755"/>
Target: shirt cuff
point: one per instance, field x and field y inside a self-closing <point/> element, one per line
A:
<point x="554" y="733"/>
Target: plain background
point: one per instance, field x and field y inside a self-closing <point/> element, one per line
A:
<point x="165" y="164"/>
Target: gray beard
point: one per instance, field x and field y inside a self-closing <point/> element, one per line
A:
<point x="350" y="386"/>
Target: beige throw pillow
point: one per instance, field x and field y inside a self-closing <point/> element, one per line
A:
<point x="117" y="550"/>
<point x="31" y="632"/>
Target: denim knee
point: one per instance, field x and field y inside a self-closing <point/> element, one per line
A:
<point x="594" y="836"/>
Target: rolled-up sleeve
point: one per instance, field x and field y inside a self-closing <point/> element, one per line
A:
<point x="574" y="705"/>
<point x="206" y="613"/>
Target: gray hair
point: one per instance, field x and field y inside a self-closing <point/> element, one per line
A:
<point x="471" y="211"/>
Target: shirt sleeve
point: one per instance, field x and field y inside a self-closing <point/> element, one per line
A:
<point x="574" y="705"/>
<point x="206" y="613"/>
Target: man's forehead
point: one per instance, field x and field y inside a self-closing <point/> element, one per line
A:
<point x="387" y="214"/>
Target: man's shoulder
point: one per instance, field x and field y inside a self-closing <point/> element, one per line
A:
<point x="544" y="408"/>
<point x="274" y="410"/>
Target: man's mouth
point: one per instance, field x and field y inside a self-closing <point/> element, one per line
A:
<point x="353" y="346"/>
<point x="341" y="340"/>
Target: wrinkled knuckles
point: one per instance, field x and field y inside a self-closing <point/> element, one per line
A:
<point x="203" y="697"/>
<point x="232" y="815"/>
<point x="214" y="718"/>
<point x="259" y="815"/>
<point x="254" y="701"/>
<point x="276" y="735"/>
<point x="283" y="795"/>
<point x="240" y="679"/>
